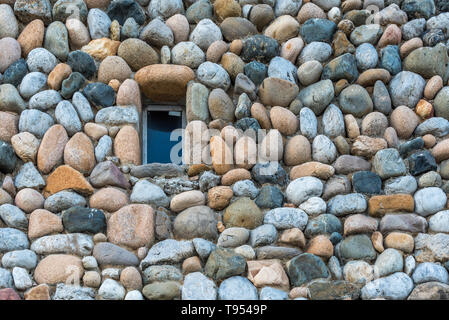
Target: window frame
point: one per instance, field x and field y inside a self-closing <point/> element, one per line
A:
<point x="157" y="107"/>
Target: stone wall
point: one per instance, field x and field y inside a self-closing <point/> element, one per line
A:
<point x="342" y="195"/>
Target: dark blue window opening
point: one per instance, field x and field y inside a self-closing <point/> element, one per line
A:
<point x="159" y="126"/>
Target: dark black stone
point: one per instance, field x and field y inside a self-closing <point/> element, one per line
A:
<point x="256" y="71"/>
<point x="421" y="162"/>
<point x="442" y="5"/>
<point x="100" y="94"/>
<point x="83" y="63"/>
<point x="121" y="10"/>
<point x="72" y="84"/>
<point x="416" y="9"/>
<point x="315" y="29"/>
<point x="432" y="37"/>
<point x="305" y="268"/>
<point x="366" y="182"/>
<point x="270" y="197"/>
<point x="8" y="157"/>
<point x="342" y="67"/>
<point x="269" y="172"/>
<point x="335" y="238"/>
<point x="80" y="219"/>
<point x="409" y="146"/>
<point x="259" y="47"/>
<point x="248" y="123"/>
<point x="15" y="72"/>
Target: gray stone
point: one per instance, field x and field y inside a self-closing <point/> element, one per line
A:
<point x="110" y="254"/>
<point x="8" y="22"/>
<point x="233" y="237"/>
<point x="287" y="7"/>
<point x="20" y="258"/>
<point x="301" y="189"/>
<point x="73" y="292"/>
<point x="396" y="287"/>
<point x="45" y="100"/>
<point x="341" y="205"/>
<point x="22" y="280"/>
<point x="427" y="271"/>
<point x="403" y="222"/>
<point x="355" y="100"/>
<point x="73" y="243"/>
<point x="368" y="33"/>
<point x="63" y="200"/>
<point x="276" y="252"/>
<point x="430" y="291"/>
<point x="323" y="224"/>
<point x="441" y="104"/>
<point x="8" y="159"/>
<point x="237" y="288"/>
<point x="406" y="88"/>
<point x="205" y="33"/>
<point x="157" y="169"/>
<point x="6" y="280"/>
<point x="35" y="122"/>
<point x="197" y="102"/>
<point x="194" y="222"/>
<point x="286" y="218"/>
<point x="283" y="69"/>
<point x="356" y="247"/>
<point x="213" y="75"/>
<point x="29" y="177"/>
<point x="308" y="123"/>
<point x="429" y="201"/>
<point x="82" y="106"/>
<point x="306" y="267"/>
<point x="381" y="98"/>
<point x="263" y="235"/>
<point x="404" y="184"/>
<point x="149" y="193"/>
<point x="57" y="40"/>
<point x="269" y="293"/>
<point x="223" y="263"/>
<point x="335" y="268"/>
<point x="439" y="222"/>
<point x="187" y="54"/>
<point x="409" y="265"/>
<point x="67" y="116"/>
<point x="103" y="148"/>
<point x="436" y="126"/>
<point x="245" y="188"/>
<point x="203" y="247"/>
<point x="161" y="273"/>
<point x="319" y="51"/>
<point x="10" y="99"/>
<point x="157" y="33"/>
<point x="413" y="28"/>
<point x="431" y="247"/>
<point x="165" y="8"/>
<point x="317" y="96"/>
<point x="168" y="251"/>
<point x="13" y="217"/>
<point x="333" y="122"/>
<point x="116" y="116"/>
<point x="323" y="149"/>
<point x="41" y="60"/>
<point x="388" y="163"/>
<point x="111" y="290"/>
<point x="198" y="287"/>
<point x="366" y="56"/>
<point x="32" y="83"/>
<point x="98" y="23"/>
<point x="388" y="262"/>
<point x="12" y="239"/>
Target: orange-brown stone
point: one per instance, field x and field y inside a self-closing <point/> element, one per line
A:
<point x="380" y="205"/>
<point x="65" y="177"/>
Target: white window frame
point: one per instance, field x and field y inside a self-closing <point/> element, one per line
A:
<point x="157" y="107"/>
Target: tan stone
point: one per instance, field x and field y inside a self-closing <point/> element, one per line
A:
<point x="352" y="128"/>
<point x="243" y="213"/>
<point x="233" y="64"/>
<point x="359" y="223"/>
<point x="321" y="246"/>
<point x="61" y="72"/>
<point x="65" y="177"/>
<point x="365" y="146"/>
<point x="137" y="53"/>
<point x="179" y="26"/>
<point x="284" y="120"/>
<point x="378" y="241"/>
<point x="291" y="49"/>
<point x="409" y="46"/>
<point x="299" y="292"/>
<point x="52" y="148"/>
<point x="58" y="268"/>
<point x="113" y="67"/>
<point x="79" y="153"/>
<point x="245" y="153"/>
<point x="40" y="292"/>
<point x="392" y="35"/>
<point x="108" y="199"/>
<point x="369" y="77"/>
<point x="132" y="226"/>
<point x="391" y="137"/>
<point x="101" y="48"/>
<point x="297" y="151"/>
<point x="294" y="237"/>
<point x="259" y="113"/>
<point x="31" y="37"/>
<point x="129" y="94"/>
<point x="277" y="92"/>
<point x="434" y="85"/>
<point x="92" y="279"/>
<point x="271" y="148"/>
<point x="127" y="146"/>
<point x="378" y="206"/>
<point x="164" y="82"/>
<point x="424" y="109"/>
<point x="186" y="200"/>
<point x="216" y="50"/>
<point x="312" y="168"/>
<point x="429" y="141"/>
<point x="192" y="264"/>
<point x="78" y="34"/>
<point x="227" y="8"/>
<point x="230" y="135"/>
<point x="222" y="158"/>
<point x="236" y="46"/>
<point x="8" y="186"/>
<point x="374" y="124"/>
<point x="219" y="197"/>
<point x="234" y="175"/>
<point x="310" y="10"/>
<point x="29" y="200"/>
<point x="131" y="279"/>
<point x="9" y="125"/>
<point x="95" y="131"/>
<point x="283" y="28"/>
<point x="401" y="241"/>
<point x="114" y="84"/>
<point x="43" y="222"/>
<point x="196" y="169"/>
<point x="267" y="273"/>
<point x="441" y="150"/>
<point x="25" y="146"/>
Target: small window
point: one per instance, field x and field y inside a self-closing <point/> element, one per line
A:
<point x="159" y="135"/>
